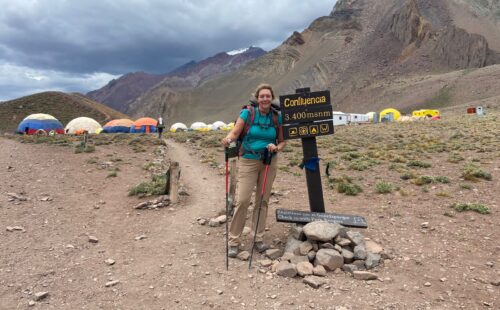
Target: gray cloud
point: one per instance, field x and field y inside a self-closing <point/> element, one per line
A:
<point x="116" y="37"/>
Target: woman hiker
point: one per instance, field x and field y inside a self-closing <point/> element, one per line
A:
<point x="264" y="132"/>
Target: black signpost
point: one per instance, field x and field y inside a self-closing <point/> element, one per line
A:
<point x="307" y="115"/>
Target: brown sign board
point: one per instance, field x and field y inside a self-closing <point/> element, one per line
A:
<point x="307" y="130"/>
<point x="303" y="217"/>
<point x="304" y="100"/>
<point x="307" y="115"/>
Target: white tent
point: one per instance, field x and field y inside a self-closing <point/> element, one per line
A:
<point x="178" y="127"/>
<point x="218" y="125"/>
<point x="81" y="124"/>
<point x="199" y="126"/>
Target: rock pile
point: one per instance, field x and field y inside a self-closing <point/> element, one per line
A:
<point x="13" y="197"/>
<point x="160" y="202"/>
<point x="318" y="247"/>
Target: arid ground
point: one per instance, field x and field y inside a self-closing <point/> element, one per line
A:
<point x="413" y="177"/>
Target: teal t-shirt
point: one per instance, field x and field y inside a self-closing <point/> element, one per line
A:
<point x="261" y="133"/>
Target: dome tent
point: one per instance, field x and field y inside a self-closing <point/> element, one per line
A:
<point x="218" y="125"/>
<point x="178" y="127"/>
<point x="118" y="125"/>
<point x="144" y="125"/>
<point x="199" y="126"/>
<point x="80" y="125"/>
<point x="371" y="116"/>
<point x="228" y="127"/>
<point x="40" y="124"/>
<point x="385" y="114"/>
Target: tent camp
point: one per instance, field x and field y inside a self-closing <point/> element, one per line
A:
<point x="118" y="125"/>
<point x="199" y="126"/>
<point x="80" y="125"/>
<point x="218" y="125"/>
<point x="144" y="125"/>
<point x="389" y="115"/>
<point x="178" y="127"/>
<point x="40" y="124"/>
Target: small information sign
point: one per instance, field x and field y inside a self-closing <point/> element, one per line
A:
<point x="303" y="217"/>
<point x="306" y="130"/>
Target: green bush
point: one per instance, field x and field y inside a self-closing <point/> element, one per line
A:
<point x="442" y="179"/>
<point x="476" y="207"/>
<point x="345" y="185"/>
<point x="427" y="179"/>
<point x="466" y="186"/>
<point x="350" y="156"/>
<point x="408" y="176"/>
<point x="155" y="187"/>
<point x="423" y="179"/>
<point x="472" y="172"/>
<point x="349" y="189"/>
<point x="418" y="164"/>
<point x="384" y="187"/>
<point x="455" y="158"/>
<point x="363" y="164"/>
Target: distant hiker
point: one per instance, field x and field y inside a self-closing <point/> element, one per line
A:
<point x="160" y="126"/>
<point x="261" y="126"/>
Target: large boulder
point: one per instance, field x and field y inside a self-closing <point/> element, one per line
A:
<point x="322" y="231"/>
<point x="328" y="258"/>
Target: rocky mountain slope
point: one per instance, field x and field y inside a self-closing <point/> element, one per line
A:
<point x="118" y="93"/>
<point x="62" y="106"/>
<point x="121" y="93"/>
<point x="369" y="54"/>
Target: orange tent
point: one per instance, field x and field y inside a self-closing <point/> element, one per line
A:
<point x="144" y="125"/>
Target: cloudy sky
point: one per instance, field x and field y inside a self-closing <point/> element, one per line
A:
<point x="73" y="45"/>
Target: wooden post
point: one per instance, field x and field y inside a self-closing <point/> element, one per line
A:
<point x="85" y="139"/>
<point x="233" y="172"/>
<point x="175" y="173"/>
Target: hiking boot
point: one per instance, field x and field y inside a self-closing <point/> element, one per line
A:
<point x="260" y="246"/>
<point x="233" y="251"/>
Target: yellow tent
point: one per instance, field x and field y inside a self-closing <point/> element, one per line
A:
<point x="395" y="114"/>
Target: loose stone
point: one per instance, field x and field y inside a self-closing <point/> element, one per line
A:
<point x="364" y="275"/>
<point x="112" y="283"/>
<point x="41" y="295"/>
<point x="286" y="269"/>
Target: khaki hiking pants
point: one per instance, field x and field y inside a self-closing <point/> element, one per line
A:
<point x="251" y="174"/>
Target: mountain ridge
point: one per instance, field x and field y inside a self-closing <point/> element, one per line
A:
<point x="121" y="93"/>
<point x="348" y="52"/>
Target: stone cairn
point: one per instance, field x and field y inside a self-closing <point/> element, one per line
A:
<point x="318" y="247"/>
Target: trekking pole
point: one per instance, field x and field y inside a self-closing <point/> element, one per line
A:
<point x="226" y="153"/>
<point x="267" y="161"/>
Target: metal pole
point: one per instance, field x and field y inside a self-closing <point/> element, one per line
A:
<point x="267" y="160"/>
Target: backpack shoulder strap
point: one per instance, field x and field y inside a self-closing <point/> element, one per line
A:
<point x="276" y="123"/>
<point x="249" y="121"/>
